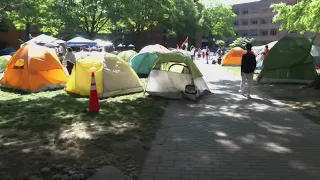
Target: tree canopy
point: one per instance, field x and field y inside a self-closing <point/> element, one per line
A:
<point x="177" y="17"/>
<point x="90" y="16"/>
<point x="240" y="42"/>
<point x="220" y="43"/>
<point x="303" y="16"/>
<point x="217" y="19"/>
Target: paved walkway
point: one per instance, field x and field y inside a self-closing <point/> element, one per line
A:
<point x="225" y="136"/>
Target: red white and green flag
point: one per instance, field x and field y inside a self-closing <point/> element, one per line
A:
<point x="185" y="43"/>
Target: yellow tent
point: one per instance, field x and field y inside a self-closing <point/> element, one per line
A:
<point x="126" y="55"/>
<point x="113" y="76"/>
<point x="233" y="57"/>
<point x="34" y="68"/>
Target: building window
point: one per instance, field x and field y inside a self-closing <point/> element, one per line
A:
<point x="244" y="22"/>
<point x="245" y="11"/>
<point x="271" y="19"/>
<point x="254" y="21"/>
<point x="236" y="23"/>
<point x="273" y="32"/>
<point x="253" y="11"/>
<point x="236" y="11"/>
<point x="264" y="9"/>
<point x="264" y="32"/>
<point x="243" y="33"/>
<point x="253" y="32"/>
<point x="264" y="21"/>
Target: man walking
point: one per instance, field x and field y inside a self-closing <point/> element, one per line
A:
<point x="248" y="65"/>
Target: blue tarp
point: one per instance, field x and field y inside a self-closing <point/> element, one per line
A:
<point x="79" y="41"/>
<point x="7" y="51"/>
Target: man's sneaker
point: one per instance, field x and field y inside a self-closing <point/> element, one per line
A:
<point x="248" y="95"/>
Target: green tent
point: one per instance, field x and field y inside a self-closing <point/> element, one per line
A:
<point x="289" y="61"/>
<point x="126" y="55"/>
<point x="176" y="62"/>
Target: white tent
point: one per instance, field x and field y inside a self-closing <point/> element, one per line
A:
<point x="80" y="41"/>
<point x="259" y="49"/>
<point x="121" y="45"/>
<point x="175" y="76"/>
<point x="45" y="39"/>
<point x="102" y="43"/>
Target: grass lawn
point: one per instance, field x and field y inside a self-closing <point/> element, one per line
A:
<point x="304" y="100"/>
<point x="52" y="129"/>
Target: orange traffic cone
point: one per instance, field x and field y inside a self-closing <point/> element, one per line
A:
<point x="93" y="99"/>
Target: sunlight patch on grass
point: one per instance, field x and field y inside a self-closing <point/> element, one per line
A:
<point x="62" y="127"/>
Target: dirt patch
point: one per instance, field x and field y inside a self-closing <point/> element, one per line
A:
<point x="304" y="100"/>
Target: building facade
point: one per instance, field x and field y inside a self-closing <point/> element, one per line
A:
<point x="9" y="38"/>
<point x="254" y="20"/>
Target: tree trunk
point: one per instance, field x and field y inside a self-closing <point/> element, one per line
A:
<point x="91" y="35"/>
<point x="27" y="31"/>
<point x="209" y="41"/>
<point x="139" y="43"/>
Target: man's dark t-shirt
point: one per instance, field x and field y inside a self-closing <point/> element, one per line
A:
<point x="248" y="63"/>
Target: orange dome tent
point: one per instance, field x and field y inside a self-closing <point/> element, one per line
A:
<point x="233" y="57"/>
<point x="34" y="68"/>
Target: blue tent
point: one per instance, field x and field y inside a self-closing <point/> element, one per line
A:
<point x="141" y="63"/>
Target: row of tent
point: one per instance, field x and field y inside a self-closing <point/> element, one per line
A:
<point x="77" y="41"/>
<point x="290" y="60"/>
<point x="36" y="68"/>
<point x="140" y="62"/>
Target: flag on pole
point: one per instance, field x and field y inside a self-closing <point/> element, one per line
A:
<point x="185" y="43"/>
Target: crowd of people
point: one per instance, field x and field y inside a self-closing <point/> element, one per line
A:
<point x="206" y="53"/>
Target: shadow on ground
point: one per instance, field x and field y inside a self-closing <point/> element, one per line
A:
<point x="38" y="132"/>
<point x="227" y="136"/>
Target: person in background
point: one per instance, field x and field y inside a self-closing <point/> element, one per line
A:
<point x="193" y="49"/>
<point x="69" y="60"/>
<point x="248" y="65"/>
<point x="60" y="56"/>
<point x="266" y="52"/>
<point x="207" y="54"/>
<point x="219" y="55"/>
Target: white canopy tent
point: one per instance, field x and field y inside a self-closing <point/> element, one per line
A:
<point x="102" y="43"/>
<point x="121" y="45"/>
<point x="45" y="39"/>
<point x="80" y="41"/>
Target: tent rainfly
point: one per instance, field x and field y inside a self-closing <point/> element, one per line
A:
<point x="289" y="61"/>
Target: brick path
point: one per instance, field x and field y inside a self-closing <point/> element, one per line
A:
<point x="228" y="137"/>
